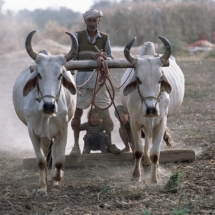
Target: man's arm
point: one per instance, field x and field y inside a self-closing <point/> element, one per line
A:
<point x="84" y="126"/>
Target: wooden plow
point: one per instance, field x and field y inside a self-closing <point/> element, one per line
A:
<point x="100" y="159"/>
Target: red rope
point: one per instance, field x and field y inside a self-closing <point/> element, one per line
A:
<point x="101" y="78"/>
<point x="102" y="67"/>
<point x="103" y="72"/>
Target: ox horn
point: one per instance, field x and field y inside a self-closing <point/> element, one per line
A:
<point x="164" y="58"/>
<point x="28" y="45"/>
<point x="127" y="54"/>
<point x="73" y="49"/>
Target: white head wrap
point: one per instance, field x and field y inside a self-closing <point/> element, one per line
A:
<point x="92" y="13"/>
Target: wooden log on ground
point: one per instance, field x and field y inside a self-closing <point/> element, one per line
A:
<point x="99" y="159"/>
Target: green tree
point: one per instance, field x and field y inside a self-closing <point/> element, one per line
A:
<point x="102" y="4"/>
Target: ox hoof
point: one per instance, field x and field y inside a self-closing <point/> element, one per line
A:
<point x="57" y="175"/>
<point x="55" y="183"/>
<point x="135" y="179"/>
<point x="154" y="181"/>
<point x="41" y="192"/>
<point x="146" y="168"/>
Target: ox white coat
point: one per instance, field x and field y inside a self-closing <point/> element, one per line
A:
<point x="151" y="92"/>
<point x="44" y="97"/>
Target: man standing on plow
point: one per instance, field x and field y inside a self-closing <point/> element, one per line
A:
<point x="91" y="41"/>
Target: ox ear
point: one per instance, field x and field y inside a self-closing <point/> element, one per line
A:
<point x="165" y="85"/>
<point x="32" y="67"/>
<point x="130" y="88"/>
<point x="31" y="84"/>
<point x="68" y="81"/>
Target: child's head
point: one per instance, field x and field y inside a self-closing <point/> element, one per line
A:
<point x="94" y="116"/>
<point x="122" y="114"/>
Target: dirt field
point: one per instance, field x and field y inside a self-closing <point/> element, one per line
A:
<point x="108" y="190"/>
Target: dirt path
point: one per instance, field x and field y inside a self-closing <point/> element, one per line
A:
<point x="108" y="190"/>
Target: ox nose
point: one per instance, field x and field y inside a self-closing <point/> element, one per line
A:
<point x="151" y="111"/>
<point x="48" y="108"/>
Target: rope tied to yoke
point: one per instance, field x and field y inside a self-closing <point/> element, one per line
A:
<point x="101" y="58"/>
<point x="102" y="76"/>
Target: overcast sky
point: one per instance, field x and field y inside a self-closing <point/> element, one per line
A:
<point x="76" y="5"/>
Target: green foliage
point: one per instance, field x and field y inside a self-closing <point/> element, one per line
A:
<point x="100" y="4"/>
<point x="64" y="17"/>
<point x="178" y="47"/>
<point x="182" y="209"/>
<point x="180" y="212"/>
<point x="108" y="190"/>
<point x="173" y="183"/>
<point x="145" y="212"/>
<point x="181" y="22"/>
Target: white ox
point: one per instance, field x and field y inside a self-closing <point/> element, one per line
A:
<point x="44" y="97"/>
<point x="153" y="91"/>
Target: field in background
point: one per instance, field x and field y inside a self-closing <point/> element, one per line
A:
<point x="180" y="22"/>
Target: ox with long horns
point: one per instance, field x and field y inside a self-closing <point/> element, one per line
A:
<point x="44" y="97"/>
<point x="153" y="91"/>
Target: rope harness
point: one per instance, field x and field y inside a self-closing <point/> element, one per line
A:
<point x="148" y="97"/>
<point x="41" y="97"/>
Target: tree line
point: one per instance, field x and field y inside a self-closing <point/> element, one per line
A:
<point x="182" y="22"/>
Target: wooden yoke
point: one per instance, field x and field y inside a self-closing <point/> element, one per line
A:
<point x="92" y="64"/>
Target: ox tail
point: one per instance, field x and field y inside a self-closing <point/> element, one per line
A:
<point x="49" y="156"/>
<point x="167" y="138"/>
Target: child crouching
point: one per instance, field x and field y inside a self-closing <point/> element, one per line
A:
<point x="96" y="138"/>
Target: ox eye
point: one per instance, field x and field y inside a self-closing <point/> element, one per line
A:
<point x="39" y="76"/>
<point x="60" y="76"/>
<point x="138" y="80"/>
<point x="160" y="80"/>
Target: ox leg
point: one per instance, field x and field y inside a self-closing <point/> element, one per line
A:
<point x="75" y="124"/>
<point x="137" y="171"/>
<point x="42" y="190"/>
<point x="46" y="145"/>
<point x="146" y="161"/>
<point x="58" y="155"/>
<point x="167" y="138"/>
<point x="155" y="150"/>
<point x="41" y="162"/>
<point x="138" y="151"/>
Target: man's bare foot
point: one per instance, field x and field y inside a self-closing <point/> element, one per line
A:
<point x="125" y="150"/>
<point x="75" y="150"/>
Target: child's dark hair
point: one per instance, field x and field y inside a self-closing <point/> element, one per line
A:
<point x="94" y="110"/>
